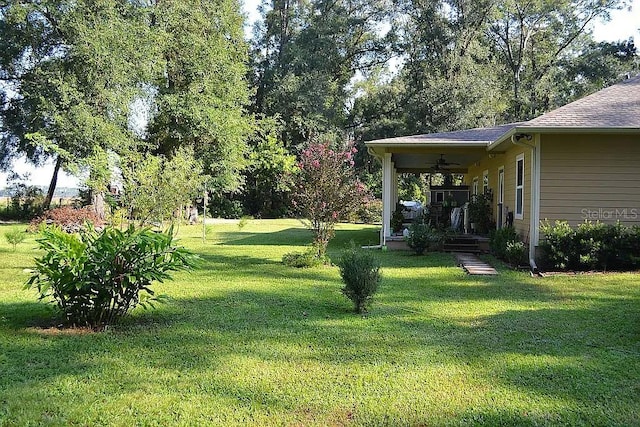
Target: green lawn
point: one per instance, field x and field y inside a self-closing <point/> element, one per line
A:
<point x="247" y="341"/>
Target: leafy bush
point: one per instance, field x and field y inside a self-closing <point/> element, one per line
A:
<point x="15" y="237"/>
<point x="370" y="212"/>
<point x="515" y="252"/>
<point x="506" y="245"/>
<point x="157" y="186"/>
<point x="500" y="238"/>
<point x="480" y="213"/>
<point x="68" y="219"/>
<point x="423" y="237"/>
<point x="360" y="272"/>
<point x="557" y="245"/>
<point x="590" y="246"/>
<point x="397" y="218"/>
<point x="306" y="259"/>
<point x="118" y="218"/>
<point x="221" y="207"/>
<point x="95" y="278"/>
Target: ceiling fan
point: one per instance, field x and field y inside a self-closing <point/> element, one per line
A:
<point x="441" y="164"/>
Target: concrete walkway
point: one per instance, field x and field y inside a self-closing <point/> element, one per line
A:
<point x="473" y="265"/>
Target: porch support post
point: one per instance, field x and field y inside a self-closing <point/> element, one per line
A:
<point x="394" y="185"/>
<point x="387" y="196"/>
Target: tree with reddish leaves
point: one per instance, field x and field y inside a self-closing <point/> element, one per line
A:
<point x="328" y="190"/>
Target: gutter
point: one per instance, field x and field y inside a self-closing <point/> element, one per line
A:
<point x="560" y="129"/>
<point x="435" y="144"/>
<point x="523" y="140"/>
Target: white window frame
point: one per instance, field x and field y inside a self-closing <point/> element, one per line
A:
<point x="519" y="215"/>
<point x="474" y="186"/>
<point x="485" y="182"/>
<point x="501" y="185"/>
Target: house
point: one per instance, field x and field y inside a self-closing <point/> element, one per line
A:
<point x="578" y="162"/>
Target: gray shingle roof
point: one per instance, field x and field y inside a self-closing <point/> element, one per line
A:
<point x="479" y="136"/>
<point x="617" y="106"/>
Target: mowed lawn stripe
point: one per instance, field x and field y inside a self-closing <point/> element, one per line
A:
<point x="245" y="340"/>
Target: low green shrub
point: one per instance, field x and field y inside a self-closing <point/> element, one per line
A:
<point x="15" y="237"/>
<point x="369" y="212"/>
<point x="96" y="278"/>
<point x="558" y="245"/>
<point x="498" y="240"/>
<point x="360" y="272"/>
<point x="422" y="237"/>
<point x="223" y="207"/>
<point x="306" y="259"/>
<point x="515" y="252"/>
<point x="590" y="246"/>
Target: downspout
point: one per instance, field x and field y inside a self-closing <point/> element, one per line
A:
<point x="522" y="140"/>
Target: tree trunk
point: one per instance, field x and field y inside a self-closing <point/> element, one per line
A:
<point x="52" y="184"/>
<point x="97" y="200"/>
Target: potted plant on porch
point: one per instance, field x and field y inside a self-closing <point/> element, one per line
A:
<point x="397" y="219"/>
<point x="480" y="213"/>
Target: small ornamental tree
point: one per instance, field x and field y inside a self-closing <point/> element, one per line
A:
<point x="327" y="190"/>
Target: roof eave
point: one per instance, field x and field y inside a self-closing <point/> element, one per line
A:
<point x="560" y="129"/>
<point x="382" y="143"/>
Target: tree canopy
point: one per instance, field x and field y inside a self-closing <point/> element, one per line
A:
<point x="84" y="80"/>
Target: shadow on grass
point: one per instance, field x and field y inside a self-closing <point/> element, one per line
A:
<point x="21" y="315"/>
<point x="582" y="350"/>
<point x="259" y="268"/>
<point x="288" y="237"/>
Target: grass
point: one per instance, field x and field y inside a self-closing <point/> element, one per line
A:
<point x="247" y="341"/>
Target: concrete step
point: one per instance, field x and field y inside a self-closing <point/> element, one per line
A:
<point x="475" y="250"/>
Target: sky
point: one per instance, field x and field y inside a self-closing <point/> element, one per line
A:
<point x="623" y="24"/>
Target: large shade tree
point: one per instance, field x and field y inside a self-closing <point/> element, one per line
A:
<point x="474" y="63"/>
<point x="305" y="56"/>
<point x="531" y="39"/>
<point x="68" y="75"/>
<point x="200" y="91"/>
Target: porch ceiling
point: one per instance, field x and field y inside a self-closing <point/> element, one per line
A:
<point x="419" y="153"/>
<point x="423" y="162"/>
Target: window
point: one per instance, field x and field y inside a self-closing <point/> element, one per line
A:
<point x="474" y="186"/>
<point x="485" y="182"/>
<point x="501" y="185"/>
<point x="519" y="213"/>
<point x="439" y="196"/>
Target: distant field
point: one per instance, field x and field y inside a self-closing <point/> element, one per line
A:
<point x="4" y="201"/>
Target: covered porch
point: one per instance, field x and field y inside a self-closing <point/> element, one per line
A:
<point x="445" y="153"/>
